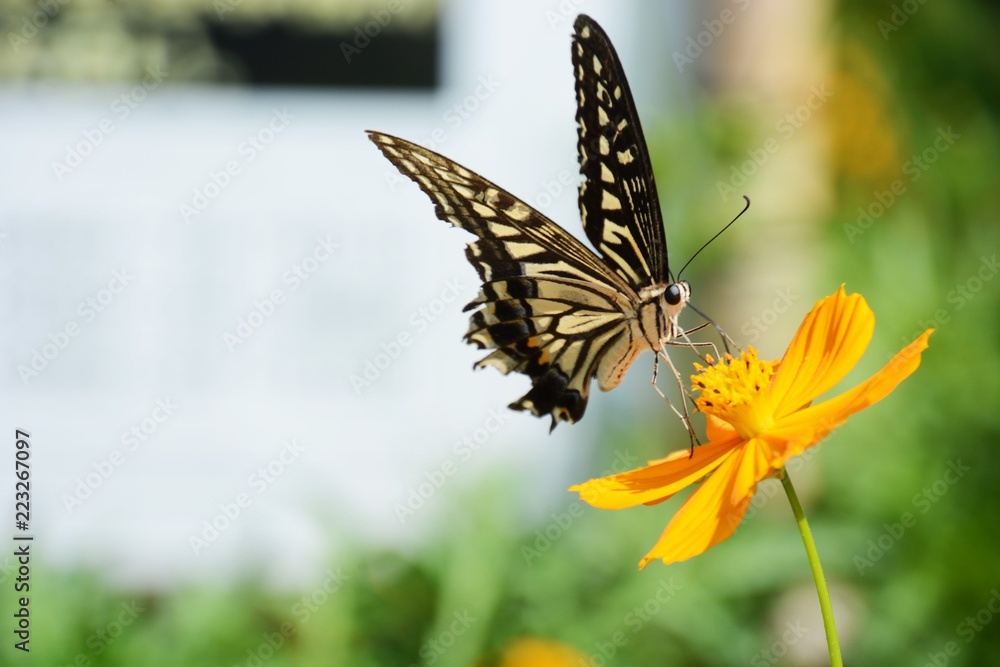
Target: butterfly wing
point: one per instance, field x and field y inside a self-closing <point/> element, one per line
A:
<point x="548" y="307"/>
<point x="618" y="201"/>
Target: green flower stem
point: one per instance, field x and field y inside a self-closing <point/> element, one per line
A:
<point x="824" y="593"/>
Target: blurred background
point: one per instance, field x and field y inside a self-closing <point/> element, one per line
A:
<point x="233" y="332"/>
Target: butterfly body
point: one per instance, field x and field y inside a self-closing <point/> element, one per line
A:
<point x="549" y="307"/>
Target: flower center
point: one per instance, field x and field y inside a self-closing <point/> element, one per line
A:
<point x="736" y="391"/>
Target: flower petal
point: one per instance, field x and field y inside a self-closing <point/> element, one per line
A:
<point x="718" y="429"/>
<point x="760" y="460"/>
<point x="796" y="432"/>
<point x="659" y="480"/>
<point x="713" y="512"/>
<point x="827" y="345"/>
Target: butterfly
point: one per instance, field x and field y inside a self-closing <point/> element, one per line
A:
<point x="549" y="307"/>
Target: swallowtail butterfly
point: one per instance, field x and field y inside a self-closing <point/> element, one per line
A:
<point x="549" y="307"/>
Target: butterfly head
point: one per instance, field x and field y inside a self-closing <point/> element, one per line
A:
<point x="661" y="304"/>
<point x="672" y="302"/>
<point x="677" y="294"/>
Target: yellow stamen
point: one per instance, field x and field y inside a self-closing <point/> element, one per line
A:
<point x="735" y="390"/>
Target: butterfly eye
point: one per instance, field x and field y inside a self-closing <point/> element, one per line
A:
<point x="673" y="295"/>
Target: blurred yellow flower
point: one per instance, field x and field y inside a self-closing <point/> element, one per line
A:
<point x="759" y="414"/>
<point x="537" y="652"/>
<point x="865" y="134"/>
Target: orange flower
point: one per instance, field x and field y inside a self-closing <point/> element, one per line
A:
<point x="759" y="414"/>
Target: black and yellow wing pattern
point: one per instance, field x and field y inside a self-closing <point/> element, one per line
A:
<point x="549" y="307"/>
<point x="618" y="201"/>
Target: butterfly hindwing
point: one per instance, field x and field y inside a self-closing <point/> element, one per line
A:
<point x="548" y="307"/>
<point x="618" y="200"/>
<point x="561" y="333"/>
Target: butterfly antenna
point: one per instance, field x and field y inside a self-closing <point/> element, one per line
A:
<point x="722" y="334"/>
<point x="717" y="235"/>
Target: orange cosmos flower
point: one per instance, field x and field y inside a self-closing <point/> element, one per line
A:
<point x="759" y="414"/>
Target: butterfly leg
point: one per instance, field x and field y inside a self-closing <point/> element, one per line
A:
<point x="687" y="342"/>
<point x="685" y="417"/>
<point x="726" y="341"/>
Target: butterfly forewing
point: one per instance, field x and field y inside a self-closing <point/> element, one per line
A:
<point x="549" y="307"/>
<point x="618" y="201"/>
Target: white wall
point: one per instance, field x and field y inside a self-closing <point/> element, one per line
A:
<point x="161" y="336"/>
